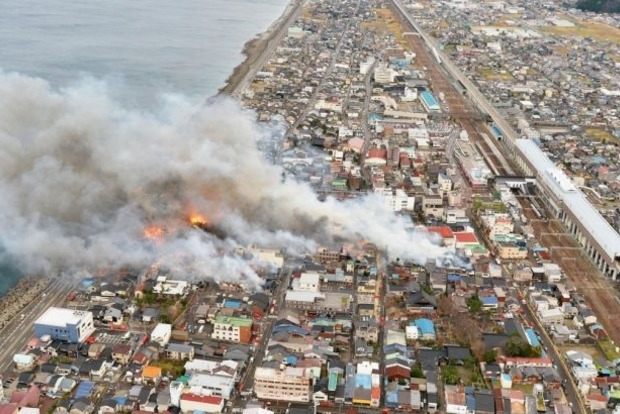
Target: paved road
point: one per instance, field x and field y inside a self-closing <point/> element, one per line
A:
<point x="17" y="333"/>
<point x="290" y="15"/>
<point x="570" y="387"/>
<point x="247" y="380"/>
<point x="365" y="109"/>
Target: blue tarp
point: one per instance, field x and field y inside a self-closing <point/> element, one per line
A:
<point x="84" y="389"/>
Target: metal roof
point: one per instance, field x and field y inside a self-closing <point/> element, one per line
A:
<point x="563" y="188"/>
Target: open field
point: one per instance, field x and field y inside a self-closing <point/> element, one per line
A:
<point x="601" y="135"/>
<point x="595" y="30"/>
<point x="490" y="74"/>
<point x="388" y="24"/>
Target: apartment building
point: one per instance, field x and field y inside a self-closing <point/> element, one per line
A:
<point x="227" y="328"/>
<point x="290" y="384"/>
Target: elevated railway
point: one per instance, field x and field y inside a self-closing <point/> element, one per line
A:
<point x="563" y="248"/>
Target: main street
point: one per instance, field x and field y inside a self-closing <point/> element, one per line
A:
<point x="572" y="392"/>
<point x="17" y="333"/>
<point x="246" y="382"/>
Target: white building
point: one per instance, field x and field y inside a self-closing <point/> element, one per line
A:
<point x="410" y="95"/>
<point x="211" y="384"/>
<point x="412" y="333"/>
<point x="308" y="282"/>
<point x="162" y="333"/>
<point x="270" y="256"/>
<point x="170" y="287"/>
<point x="65" y="324"/>
<point x="384" y="74"/>
<point x="397" y="200"/>
<point x="289" y="384"/>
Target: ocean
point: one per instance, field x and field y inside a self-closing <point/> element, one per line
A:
<point x="142" y="49"/>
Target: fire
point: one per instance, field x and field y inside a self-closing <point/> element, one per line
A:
<point x="198" y="220"/>
<point x="153" y="232"/>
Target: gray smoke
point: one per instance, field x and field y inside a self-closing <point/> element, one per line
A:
<point x="81" y="178"/>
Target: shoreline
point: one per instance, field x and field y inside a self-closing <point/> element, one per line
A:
<point x="257" y="49"/>
<point x="19" y="296"/>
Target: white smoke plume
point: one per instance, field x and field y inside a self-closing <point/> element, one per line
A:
<point x="81" y="178"/>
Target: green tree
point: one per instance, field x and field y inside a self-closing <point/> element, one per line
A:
<point x="490" y="356"/>
<point x="417" y="372"/>
<point x="517" y="347"/>
<point x="474" y="304"/>
<point x="450" y="375"/>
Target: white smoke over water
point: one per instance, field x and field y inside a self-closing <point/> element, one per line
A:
<point x="81" y="178"/>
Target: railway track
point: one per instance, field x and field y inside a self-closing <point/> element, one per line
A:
<point x="564" y="250"/>
<point x="457" y="104"/>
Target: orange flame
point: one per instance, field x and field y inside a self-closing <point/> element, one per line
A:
<point x="153" y="232"/>
<point x="198" y="220"/>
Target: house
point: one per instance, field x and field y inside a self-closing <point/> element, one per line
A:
<point x="421" y="302"/>
<point x="162" y="333"/>
<point x="151" y="374"/>
<point x="553" y="316"/>
<point x="457" y="354"/>
<point x="397" y="372"/>
<point x="180" y="351"/>
<point x="426" y="329"/>
<point x="150" y="315"/>
<point x="121" y="353"/>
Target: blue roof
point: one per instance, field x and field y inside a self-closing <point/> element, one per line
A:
<point x="429" y="99"/>
<point x="290" y="329"/>
<point x="363" y="381"/>
<point x="232" y="303"/>
<point x="84" y="389"/>
<point x="454" y="278"/>
<point x="471" y="403"/>
<point x="291" y="360"/>
<point x="426" y="326"/>
<point x="531" y="337"/>
<point x="391" y="397"/>
<point x="490" y="300"/>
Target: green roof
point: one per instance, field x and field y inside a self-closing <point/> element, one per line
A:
<point x="333" y="381"/>
<point x="230" y="320"/>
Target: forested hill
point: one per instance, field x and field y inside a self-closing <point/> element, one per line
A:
<point x="599" y="6"/>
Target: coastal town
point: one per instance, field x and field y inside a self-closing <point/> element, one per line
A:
<point x="489" y="128"/>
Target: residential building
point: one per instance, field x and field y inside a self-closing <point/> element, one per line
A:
<point x="289" y="384"/>
<point x="227" y="328"/>
<point x="65" y="324"/>
<point x="162" y="333"/>
<point x="397" y="200"/>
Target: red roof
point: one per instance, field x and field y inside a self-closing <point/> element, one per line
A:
<point x="596" y="397"/>
<point x="8" y="408"/>
<point x="378" y="153"/>
<point x="466" y="237"/>
<point x="207" y="399"/>
<point x="375" y="393"/>
<point x="444" y="231"/>
<point x="397" y="372"/>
